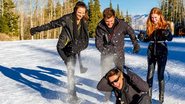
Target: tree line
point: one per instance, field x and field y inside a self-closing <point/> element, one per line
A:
<point x="18" y="16"/>
<point x="174" y="10"/>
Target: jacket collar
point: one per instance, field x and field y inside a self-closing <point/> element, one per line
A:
<point x="103" y="26"/>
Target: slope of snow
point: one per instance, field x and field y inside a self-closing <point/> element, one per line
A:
<point x="139" y="21"/>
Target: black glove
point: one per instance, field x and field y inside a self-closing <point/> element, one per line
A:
<point x="167" y="35"/>
<point x="136" y="48"/>
<point x="141" y="35"/>
<point x="33" y="31"/>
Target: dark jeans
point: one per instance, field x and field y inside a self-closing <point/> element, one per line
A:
<point x="160" y="60"/>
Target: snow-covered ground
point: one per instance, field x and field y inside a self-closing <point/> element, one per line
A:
<point x="31" y="72"/>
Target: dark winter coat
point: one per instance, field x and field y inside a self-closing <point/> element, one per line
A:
<point x="157" y="45"/>
<point x="157" y="52"/>
<point x="70" y="42"/>
<point x="113" y="43"/>
<point x="133" y="89"/>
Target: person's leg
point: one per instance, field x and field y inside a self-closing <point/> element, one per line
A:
<point x="161" y="68"/>
<point x="161" y="91"/>
<point x="82" y="68"/>
<point x="119" y="61"/>
<point x="150" y="74"/>
<point x="106" y="65"/>
<point x="70" y="76"/>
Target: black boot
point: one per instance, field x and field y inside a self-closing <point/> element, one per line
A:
<point x="83" y="69"/>
<point x="161" y="91"/>
<point x="150" y="94"/>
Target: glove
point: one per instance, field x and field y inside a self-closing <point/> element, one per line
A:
<point x="141" y="35"/>
<point x="167" y="34"/>
<point x="136" y="48"/>
<point x="33" y="31"/>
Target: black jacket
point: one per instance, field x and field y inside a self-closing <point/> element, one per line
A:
<point x="115" y="44"/>
<point x="157" y="45"/>
<point x="68" y="40"/>
<point x="132" y="90"/>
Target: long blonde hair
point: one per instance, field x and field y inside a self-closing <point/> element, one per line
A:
<point x="150" y="26"/>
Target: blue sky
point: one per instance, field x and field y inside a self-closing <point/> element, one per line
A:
<point x="132" y="6"/>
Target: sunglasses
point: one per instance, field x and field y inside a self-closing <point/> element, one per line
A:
<point x="116" y="80"/>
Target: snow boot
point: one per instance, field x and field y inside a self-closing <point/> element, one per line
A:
<point x="150" y="95"/>
<point x="83" y="69"/>
<point x="72" y="99"/>
<point x="161" y="91"/>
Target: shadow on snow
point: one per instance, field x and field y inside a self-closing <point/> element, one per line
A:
<point x="42" y="75"/>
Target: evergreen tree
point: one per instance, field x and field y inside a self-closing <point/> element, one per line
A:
<point x="58" y="10"/>
<point x="128" y="18"/>
<point x="118" y="13"/>
<point x="173" y="10"/>
<point x="9" y="20"/>
<point x="110" y="4"/>
<point x="97" y="10"/>
<point x="98" y="15"/>
<point x="3" y="25"/>
<point x="91" y="22"/>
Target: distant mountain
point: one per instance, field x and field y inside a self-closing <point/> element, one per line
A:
<point x="139" y="21"/>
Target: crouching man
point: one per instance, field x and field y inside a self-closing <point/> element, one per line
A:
<point x="128" y="88"/>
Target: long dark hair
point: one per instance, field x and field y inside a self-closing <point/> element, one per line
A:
<point x="82" y="5"/>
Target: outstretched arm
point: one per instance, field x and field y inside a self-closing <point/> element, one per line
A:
<point x="51" y="25"/>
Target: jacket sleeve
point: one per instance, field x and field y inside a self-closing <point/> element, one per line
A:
<point x="99" y="42"/>
<point x="130" y="32"/>
<point x="142" y="36"/>
<point x="104" y="86"/>
<point x="51" y="25"/>
<point x="138" y="82"/>
<point x="167" y="35"/>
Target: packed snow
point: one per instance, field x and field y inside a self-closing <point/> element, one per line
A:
<point x="31" y="72"/>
